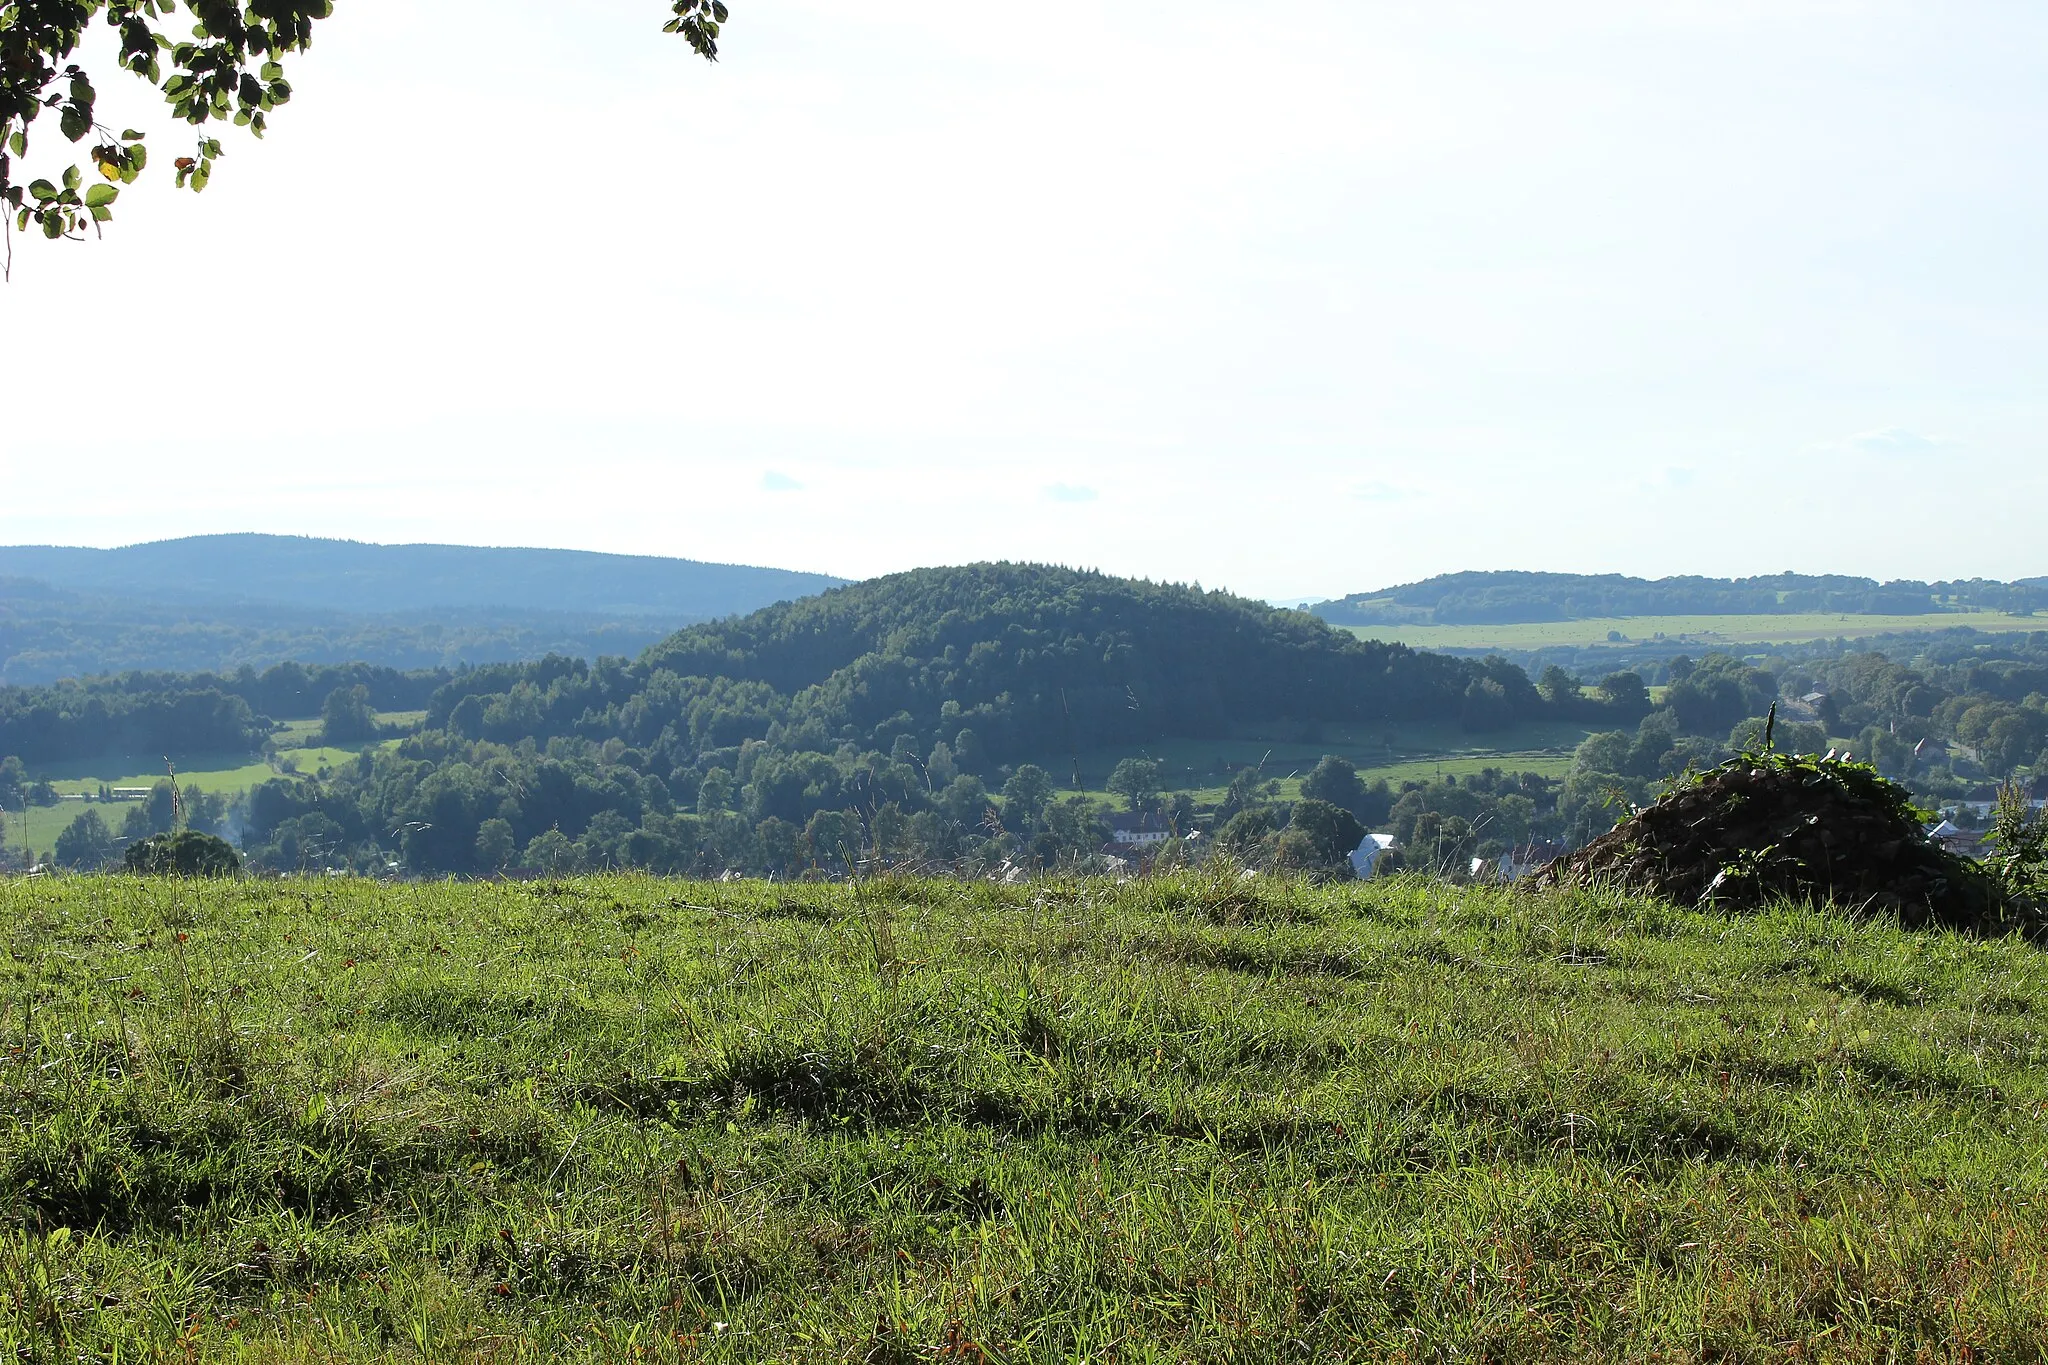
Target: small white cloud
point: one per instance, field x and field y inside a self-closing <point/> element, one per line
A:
<point x="1895" y="443"/>
<point x="776" y="482"/>
<point x="1377" y="490"/>
<point x="1067" y="492"/>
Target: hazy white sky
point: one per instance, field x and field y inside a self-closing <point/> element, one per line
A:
<point x="1297" y="299"/>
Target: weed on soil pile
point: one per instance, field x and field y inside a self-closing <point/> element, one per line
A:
<point x="1766" y="827"/>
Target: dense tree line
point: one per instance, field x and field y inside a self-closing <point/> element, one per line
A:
<point x="160" y="713"/>
<point x="905" y="718"/>
<point x="1504" y="598"/>
<point x="914" y="720"/>
<point x="48" y="634"/>
<point x="46" y="725"/>
<point x="1955" y="719"/>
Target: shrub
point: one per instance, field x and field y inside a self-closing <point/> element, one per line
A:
<point x="190" y="854"/>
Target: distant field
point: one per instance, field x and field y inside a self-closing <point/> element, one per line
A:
<point x="220" y="774"/>
<point x="1701" y="630"/>
<point x="305" y="734"/>
<point x="1399" y="753"/>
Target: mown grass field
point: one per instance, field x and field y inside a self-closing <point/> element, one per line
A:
<point x="1288" y="753"/>
<point x="222" y="774"/>
<point x="299" y="750"/>
<point x="1702" y="631"/>
<point x="1175" y="1119"/>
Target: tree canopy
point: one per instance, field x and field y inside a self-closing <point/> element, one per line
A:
<point x="228" y="67"/>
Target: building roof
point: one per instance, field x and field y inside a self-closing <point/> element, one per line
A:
<point x="1141" y="822"/>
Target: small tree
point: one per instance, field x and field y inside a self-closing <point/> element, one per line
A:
<point x="1025" y="796"/>
<point x="346" y="716"/>
<point x="1243" y="836"/>
<point x="1332" y="832"/>
<point x="1335" y="780"/>
<point x="1558" y="687"/>
<point x="186" y="854"/>
<point x="1625" y="693"/>
<point x="1486" y="706"/>
<point x="1443" y="844"/>
<point x="1137" y="781"/>
<point x="86" y="843"/>
<point x="495" y="844"/>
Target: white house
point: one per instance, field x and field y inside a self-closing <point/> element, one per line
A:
<point x="1523" y="859"/>
<point x="1139" y="831"/>
<point x="1365" y="858"/>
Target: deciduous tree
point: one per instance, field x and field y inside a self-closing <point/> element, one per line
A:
<point x="225" y="66"/>
<point x="86" y="843"/>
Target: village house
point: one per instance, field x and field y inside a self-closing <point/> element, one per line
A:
<point x="1142" y="830"/>
<point x="1524" y="859"/>
<point x="1366" y="857"/>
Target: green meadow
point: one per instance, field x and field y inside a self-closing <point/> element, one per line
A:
<point x="1289" y="752"/>
<point x="1702" y="631"/>
<point x="297" y="750"/>
<point x="1171" y="1119"/>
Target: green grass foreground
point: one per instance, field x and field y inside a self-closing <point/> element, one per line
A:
<point x="1177" y="1119"/>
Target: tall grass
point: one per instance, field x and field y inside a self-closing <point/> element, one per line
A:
<point x="1182" y="1118"/>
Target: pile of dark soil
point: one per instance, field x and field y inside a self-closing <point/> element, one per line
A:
<point x="1767" y="827"/>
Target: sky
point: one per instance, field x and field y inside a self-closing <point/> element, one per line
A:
<point x="1298" y="300"/>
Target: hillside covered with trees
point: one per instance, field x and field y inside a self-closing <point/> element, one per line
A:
<point x="897" y="716"/>
<point x="1509" y="598"/>
<point x="218" y="603"/>
<point x="924" y="719"/>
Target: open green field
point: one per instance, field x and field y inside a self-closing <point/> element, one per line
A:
<point x="305" y="734"/>
<point x="226" y="774"/>
<point x="1704" y="632"/>
<point x="222" y="774"/>
<point x="1174" y="1119"/>
<point x="1288" y="753"/>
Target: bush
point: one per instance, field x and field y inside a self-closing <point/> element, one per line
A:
<point x="190" y="854"/>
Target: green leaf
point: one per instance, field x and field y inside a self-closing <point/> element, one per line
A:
<point x="42" y="190"/>
<point x="19" y="142"/>
<point x="100" y="195"/>
<point x="101" y="213"/>
<point x="271" y="71"/>
<point x="53" y="226"/>
<point x="73" y="123"/>
<point x="130" y="135"/>
<point x="73" y="177"/>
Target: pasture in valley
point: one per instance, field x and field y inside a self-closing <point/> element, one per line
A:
<point x="1398" y="752"/>
<point x="297" y="750"/>
<point x="1177" y="1118"/>
<point x="1699" y="633"/>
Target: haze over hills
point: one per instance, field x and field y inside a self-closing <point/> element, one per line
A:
<point x="1503" y="598"/>
<point x="216" y="603"/>
<point x="351" y="576"/>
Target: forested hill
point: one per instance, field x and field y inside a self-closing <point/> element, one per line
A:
<point x="349" y="576"/>
<point x="1031" y="658"/>
<point x="882" y="714"/>
<point x="1505" y="598"/>
<point x="221" y="603"/>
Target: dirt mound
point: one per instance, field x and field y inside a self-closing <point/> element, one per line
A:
<point x="1769" y="826"/>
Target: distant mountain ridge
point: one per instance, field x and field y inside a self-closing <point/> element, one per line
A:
<point x="1505" y="598"/>
<point x="219" y="603"/>
<point x="361" y="578"/>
